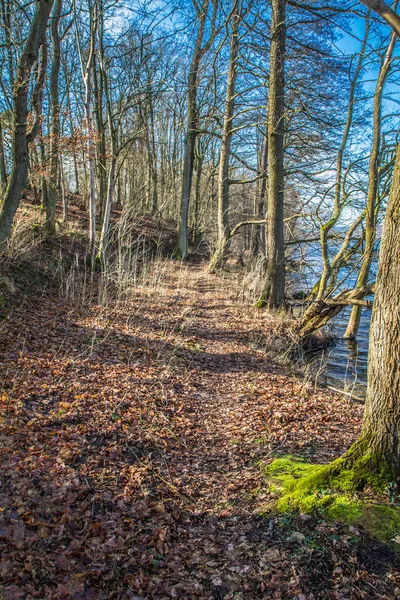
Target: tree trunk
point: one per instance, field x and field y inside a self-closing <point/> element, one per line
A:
<point x="259" y="239"/>
<point x="20" y="158"/>
<point x="101" y="139"/>
<point x="321" y="311"/>
<point x="375" y="456"/>
<point x="3" y="168"/>
<point x="86" y="69"/>
<point x="274" y="289"/>
<point x="197" y="201"/>
<point x="219" y="255"/>
<point x="153" y="153"/>
<point x="104" y="235"/>
<point x="191" y="134"/>
<point x="377" y="451"/>
<point x="55" y="121"/>
<point x="6" y="14"/>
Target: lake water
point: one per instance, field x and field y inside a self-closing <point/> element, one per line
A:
<point x="346" y="361"/>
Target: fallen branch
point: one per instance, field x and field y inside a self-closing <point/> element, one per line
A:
<point x="321" y="311"/>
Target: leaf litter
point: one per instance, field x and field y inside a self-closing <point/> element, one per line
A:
<point x="131" y="440"/>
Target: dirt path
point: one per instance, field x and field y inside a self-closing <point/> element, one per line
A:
<point x="133" y="438"/>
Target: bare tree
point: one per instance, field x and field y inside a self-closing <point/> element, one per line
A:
<point x="200" y="48"/>
<point x="55" y="120"/>
<point x="373" y="188"/>
<point x="224" y="157"/>
<point x="21" y="136"/>
<point x="87" y="63"/>
<point x="274" y="289"/>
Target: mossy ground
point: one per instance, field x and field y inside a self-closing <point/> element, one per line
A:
<point x="332" y="491"/>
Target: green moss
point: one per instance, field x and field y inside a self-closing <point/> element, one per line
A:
<point x="289" y="467"/>
<point x="303" y="501"/>
<point x="294" y="476"/>
<point x="359" y="469"/>
<point x="261" y="303"/>
<point x="383" y="522"/>
<point x="274" y="488"/>
<point x="331" y="490"/>
<point x="344" y="508"/>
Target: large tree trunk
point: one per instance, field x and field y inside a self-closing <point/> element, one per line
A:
<point x="55" y="121"/>
<point x="379" y="441"/>
<point x="376" y="453"/>
<point x="20" y="157"/>
<point x="274" y="289"/>
<point x="374" y="459"/>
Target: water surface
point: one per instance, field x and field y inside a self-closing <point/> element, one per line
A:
<point x="346" y="361"/>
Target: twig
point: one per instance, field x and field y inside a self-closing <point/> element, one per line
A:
<point x="330" y="387"/>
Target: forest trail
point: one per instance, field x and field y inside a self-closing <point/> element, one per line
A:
<point x="133" y="438"/>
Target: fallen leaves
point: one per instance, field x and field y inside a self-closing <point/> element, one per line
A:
<point x="130" y="441"/>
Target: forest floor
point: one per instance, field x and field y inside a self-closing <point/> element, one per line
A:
<point x="133" y="436"/>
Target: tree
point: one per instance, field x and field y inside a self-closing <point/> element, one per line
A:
<point x="323" y="307"/>
<point x="55" y="120"/>
<point x="274" y="289"/>
<point x="373" y="189"/>
<point x="374" y="458"/>
<point x="192" y="120"/>
<point x="20" y="152"/>
<point x="103" y="242"/>
<point x="86" y="70"/>
<point x="379" y="442"/>
<point x="377" y="451"/>
<point x="224" y="157"/>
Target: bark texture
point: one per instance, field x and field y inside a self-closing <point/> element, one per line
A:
<point x="218" y="257"/>
<point x="191" y="134"/>
<point x="55" y="120"/>
<point x="274" y="290"/>
<point x="381" y="426"/>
